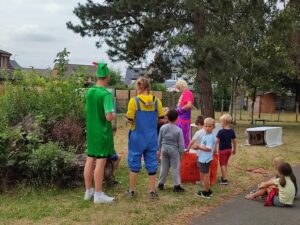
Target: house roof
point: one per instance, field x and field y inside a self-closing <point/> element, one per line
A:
<point x="5" y="53"/>
<point x="133" y="74"/>
<point x="71" y="68"/>
<point x="14" y="64"/>
<point x="39" y="72"/>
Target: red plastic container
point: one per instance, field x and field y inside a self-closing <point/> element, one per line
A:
<point x="214" y="169"/>
<point x="189" y="170"/>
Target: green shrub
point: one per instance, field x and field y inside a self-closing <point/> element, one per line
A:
<point x="49" y="163"/>
<point x="158" y="87"/>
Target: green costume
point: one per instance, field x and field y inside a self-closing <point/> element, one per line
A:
<point x="99" y="102"/>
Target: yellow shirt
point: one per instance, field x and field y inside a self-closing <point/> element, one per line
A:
<point x="132" y="107"/>
<point x="286" y="193"/>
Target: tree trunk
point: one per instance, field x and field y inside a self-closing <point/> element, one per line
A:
<point x="253" y="98"/>
<point x="199" y="21"/>
<point x="205" y="93"/>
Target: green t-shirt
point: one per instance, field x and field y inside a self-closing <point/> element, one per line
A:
<point x="99" y="102"/>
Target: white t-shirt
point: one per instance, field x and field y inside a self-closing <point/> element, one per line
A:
<point x="199" y="135"/>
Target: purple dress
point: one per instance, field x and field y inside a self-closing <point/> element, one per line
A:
<point x="184" y="116"/>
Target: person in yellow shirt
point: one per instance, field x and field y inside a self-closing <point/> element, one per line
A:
<point x="144" y="111"/>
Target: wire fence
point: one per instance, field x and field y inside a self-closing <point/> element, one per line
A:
<point x="265" y="111"/>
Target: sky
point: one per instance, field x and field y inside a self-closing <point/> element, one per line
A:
<point x="34" y="31"/>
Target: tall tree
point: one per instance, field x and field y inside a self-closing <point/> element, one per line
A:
<point x="132" y="28"/>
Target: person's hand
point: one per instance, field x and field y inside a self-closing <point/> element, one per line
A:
<point x="186" y="150"/>
<point x="261" y="185"/>
<point x="233" y="151"/>
<point x="158" y="154"/>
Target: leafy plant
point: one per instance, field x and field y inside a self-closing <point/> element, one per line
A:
<point x="49" y="162"/>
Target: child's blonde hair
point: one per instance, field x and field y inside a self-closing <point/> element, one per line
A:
<point x="277" y="161"/>
<point x="142" y="84"/>
<point x="209" y="120"/>
<point x="226" y="118"/>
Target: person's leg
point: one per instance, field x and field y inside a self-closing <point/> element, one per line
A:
<point x="151" y="165"/>
<point x="206" y="182"/>
<point x="132" y="180"/>
<point x="116" y="163"/>
<point x="165" y="166"/>
<point x="99" y="174"/>
<point x="223" y="172"/>
<point x="175" y="165"/>
<point x="256" y="194"/>
<point x="88" y="172"/>
<point x="152" y="182"/>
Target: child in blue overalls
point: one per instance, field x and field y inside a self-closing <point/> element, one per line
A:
<point x="143" y="113"/>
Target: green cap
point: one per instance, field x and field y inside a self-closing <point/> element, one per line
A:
<point x="102" y="70"/>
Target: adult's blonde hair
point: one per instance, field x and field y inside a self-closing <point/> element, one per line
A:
<point x="181" y="84"/>
<point x="226" y="118"/>
<point x="142" y="84"/>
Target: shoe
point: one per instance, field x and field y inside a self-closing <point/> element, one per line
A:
<point x="210" y="193"/>
<point x="161" y="187"/>
<point x="204" y="194"/>
<point x="153" y="195"/>
<point x="100" y="197"/>
<point x="178" y="188"/>
<point x="130" y="194"/>
<point x="89" y="194"/>
<point x="223" y="181"/>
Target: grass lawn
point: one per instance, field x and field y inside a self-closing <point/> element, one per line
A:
<point x="25" y="205"/>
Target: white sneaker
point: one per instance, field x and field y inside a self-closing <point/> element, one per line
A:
<point x="89" y="194"/>
<point x="100" y="197"/>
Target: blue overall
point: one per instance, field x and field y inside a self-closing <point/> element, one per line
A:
<point x="143" y="140"/>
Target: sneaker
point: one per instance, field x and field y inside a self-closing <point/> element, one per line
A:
<point x="100" y="197"/>
<point x="153" y="195"/>
<point x="161" y="187"/>
<point x="210" y="193"/>
<point x="204" y="194"/>
<point x="178" y="188"/>
<point x="130" y="194"/>
<point x="223" y="181"/>
<point x="89" y="194"/>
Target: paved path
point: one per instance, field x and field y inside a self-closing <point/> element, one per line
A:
<point x="240" y="211"/>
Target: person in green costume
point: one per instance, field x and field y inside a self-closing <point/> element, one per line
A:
<point x="100" y="143"/>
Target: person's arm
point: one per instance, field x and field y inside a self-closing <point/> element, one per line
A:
<point x="217" y="145"/>
<point x="190" y="145"/>
<point x="130" y="115"/>
<point x="110" y="116"/>
<point x="234" y="143"/>
<point x="109" y="109"/>
<point x="267" y="183"/>
<point x="234" y="146"/>
<point x="188" y="105"/>
<point x="160" y="138"/>
<point x="180" y="142"/>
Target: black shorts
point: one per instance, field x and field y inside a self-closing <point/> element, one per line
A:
<point x="204" y="167"/>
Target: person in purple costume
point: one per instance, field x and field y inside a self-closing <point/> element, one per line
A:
<point x="184" y="109"/>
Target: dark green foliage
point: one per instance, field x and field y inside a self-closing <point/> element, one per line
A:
<point x="49" y="163"/>
<point x="34" y="111"/>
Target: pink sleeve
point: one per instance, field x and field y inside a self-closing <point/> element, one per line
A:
<point x="186" y="97"/>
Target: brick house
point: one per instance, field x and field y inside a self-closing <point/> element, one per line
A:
<point x="4" y="60"/>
